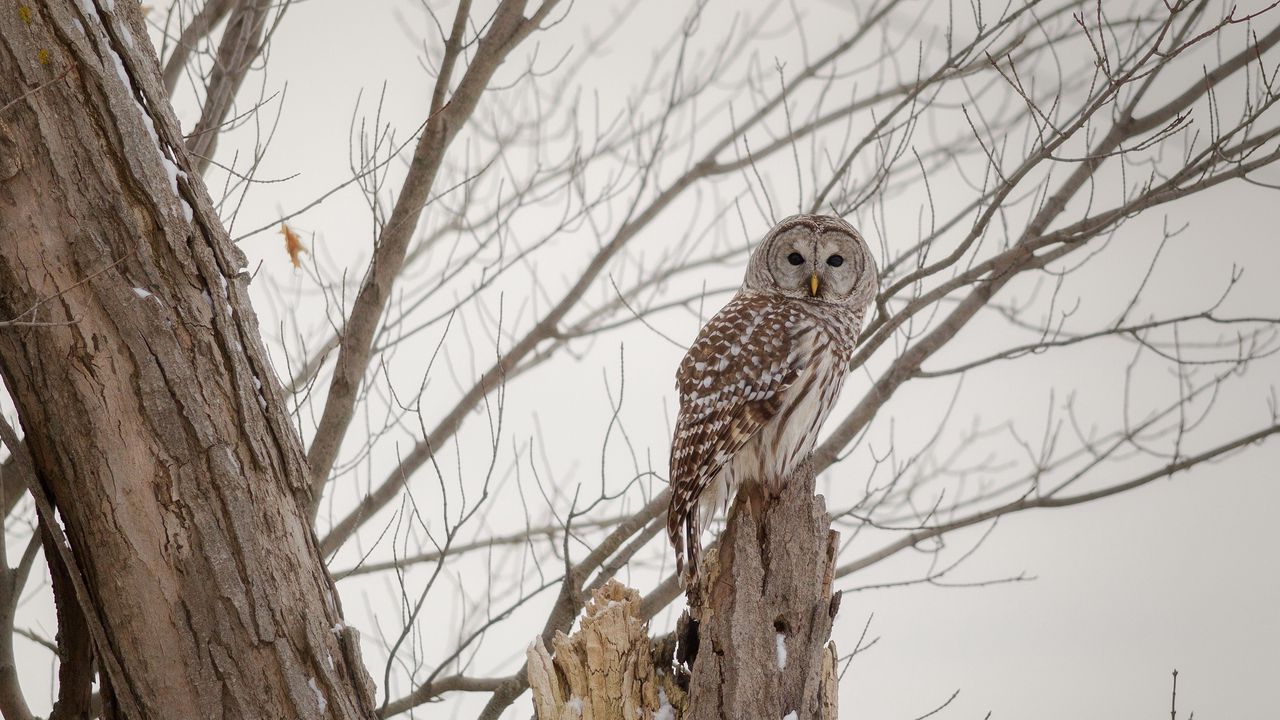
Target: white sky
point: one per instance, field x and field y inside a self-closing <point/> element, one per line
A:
<point x="1178" y="574"/>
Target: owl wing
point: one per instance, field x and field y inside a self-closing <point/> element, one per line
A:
<point x="730" y="384"/>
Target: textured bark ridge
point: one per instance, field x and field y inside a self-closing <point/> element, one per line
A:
<point x="764" y="618"/>
<point x="155" y="423"/>
<point x="608" y="669"/>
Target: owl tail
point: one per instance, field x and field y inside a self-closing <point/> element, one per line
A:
<point x="675" y="533"/>
<point x="685" y="533"/>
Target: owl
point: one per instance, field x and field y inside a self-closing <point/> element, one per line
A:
<point x="766" y="370"/>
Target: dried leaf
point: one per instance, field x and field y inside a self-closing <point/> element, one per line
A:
<point x="292" y="244"/>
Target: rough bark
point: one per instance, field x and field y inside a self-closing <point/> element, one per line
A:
<point x="765" y="617"/>
<point x="75" y="651"/>
<point x="608" y="670"/>
<point x="155" y="423"/>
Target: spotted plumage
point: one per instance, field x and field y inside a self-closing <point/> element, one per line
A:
<point x="765" y="371"/>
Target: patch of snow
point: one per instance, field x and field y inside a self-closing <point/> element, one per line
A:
<point x="142" y="293"/>
<point x="575" y="704"/>
<point x="665" y="711"/>
<point x="338" y="628"/>
<point x="226" y="292"/>
<point x="781" y="650"/>
<point x="329" y="657"/>
<point x="320" y="696"/>
<point x="170" y="170"/>
<point x="207" y="297"/>
<point x="120" y="71"/>
<point x="150" y="125"/>
<point x="790" y="716"/>
<point x="124" y="32"/>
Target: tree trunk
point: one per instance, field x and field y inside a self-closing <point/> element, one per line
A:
<point x="154" y="420"/>
<point x="764" y="621"/>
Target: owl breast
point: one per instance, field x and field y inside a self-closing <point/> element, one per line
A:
<point x="784" y="442"/>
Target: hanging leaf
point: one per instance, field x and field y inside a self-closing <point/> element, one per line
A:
<point x="292" y="244"/>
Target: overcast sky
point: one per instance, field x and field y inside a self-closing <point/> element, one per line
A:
<point x="1179" y="574"/>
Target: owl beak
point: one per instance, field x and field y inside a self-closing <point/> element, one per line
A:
<point x="813" y="285"/>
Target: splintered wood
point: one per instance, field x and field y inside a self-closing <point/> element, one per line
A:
<point x="605" y="670"/>
<point x="829" y="692"/>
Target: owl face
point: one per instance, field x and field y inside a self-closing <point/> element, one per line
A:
<point x="817" y="258"/>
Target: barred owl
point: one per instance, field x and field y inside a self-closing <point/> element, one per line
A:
<point x="765" y="372"/>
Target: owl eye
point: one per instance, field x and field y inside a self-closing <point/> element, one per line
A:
<point x="835" y="261"/>
<point x="795" y="258"/>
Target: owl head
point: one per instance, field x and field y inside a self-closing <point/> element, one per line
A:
<point x="818" y="258"/>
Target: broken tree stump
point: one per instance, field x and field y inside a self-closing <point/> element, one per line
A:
<point x="607" y="669"/>
<point x="765" y="611"/>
